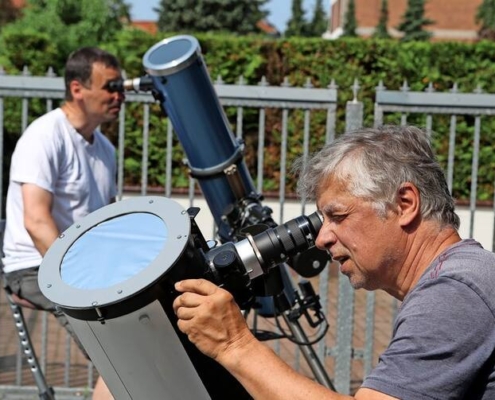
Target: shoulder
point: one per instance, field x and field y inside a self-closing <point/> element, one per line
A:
<point x="463" y="260"/>
<point x="48" y="126"/>
<point x="463" y="276"/>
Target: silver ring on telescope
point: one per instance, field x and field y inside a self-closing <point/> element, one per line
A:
<point x="171" y="55"/>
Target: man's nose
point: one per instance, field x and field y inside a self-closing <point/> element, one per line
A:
<point x="326" y="238"/>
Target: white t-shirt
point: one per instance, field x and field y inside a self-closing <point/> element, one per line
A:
<point x="54" y="156"/>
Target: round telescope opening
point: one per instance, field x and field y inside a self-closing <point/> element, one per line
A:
<point x="171" y="55"/>
<point x="170" y="52"/>
<point x="114" y="251"/>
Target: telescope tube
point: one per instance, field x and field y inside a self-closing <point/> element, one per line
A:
<point x="186" y="94"/>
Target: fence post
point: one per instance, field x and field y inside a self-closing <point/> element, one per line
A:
<point x="345" y="319"/>
<point x="354" y="110"/>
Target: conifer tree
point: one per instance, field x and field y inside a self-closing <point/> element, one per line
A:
<point x="414" y="21"/>
<point x="485" y="17"/>
<point x="350" y="23"/>
<point x="240" y="16"/>
<point x="319" y="22"/>
<point x="381" y="30"/>
<point x="297" y="25"/>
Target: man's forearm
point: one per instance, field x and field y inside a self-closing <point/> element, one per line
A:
<point x="38" y="219"/>
<point x="211" y="319"/>
<point x="266" y="376"/>
<point x="43" y="232"/>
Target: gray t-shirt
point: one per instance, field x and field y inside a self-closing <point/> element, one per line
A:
<point x="443" y="342"/>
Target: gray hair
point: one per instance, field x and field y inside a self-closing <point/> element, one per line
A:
<point x="375" y="162"/>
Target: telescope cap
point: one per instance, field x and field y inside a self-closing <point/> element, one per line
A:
<point x="171" y="55"/>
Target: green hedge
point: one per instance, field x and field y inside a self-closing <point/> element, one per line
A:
<point x="370" y="61"/>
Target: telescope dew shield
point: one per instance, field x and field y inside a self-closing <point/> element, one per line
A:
<point x="113" y="274"/>
<point x="187" y="96"/>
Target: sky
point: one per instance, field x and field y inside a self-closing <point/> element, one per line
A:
<point x="280" y="10"/>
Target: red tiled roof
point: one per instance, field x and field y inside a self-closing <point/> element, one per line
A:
<point x="267" y="27"/>
<point x="148" y="26"/>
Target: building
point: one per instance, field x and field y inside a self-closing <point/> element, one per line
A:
<point x="453" y="19"/>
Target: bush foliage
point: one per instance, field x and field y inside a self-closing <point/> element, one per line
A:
<point x="443" y="64"/>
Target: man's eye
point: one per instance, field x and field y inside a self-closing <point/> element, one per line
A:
<point x="337" y="217"/>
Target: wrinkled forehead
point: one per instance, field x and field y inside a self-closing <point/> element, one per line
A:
<point x="330" y="187"/>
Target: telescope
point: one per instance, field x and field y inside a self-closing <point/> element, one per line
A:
<point x="113" y="275"/>
<point x="113" y="272"/>
<point x="178" y="79"/>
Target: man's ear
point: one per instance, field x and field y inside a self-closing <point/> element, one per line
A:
<point x="76" y="88"/>
<point x="408" y="203"/>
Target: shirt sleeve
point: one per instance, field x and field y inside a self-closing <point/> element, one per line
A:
<point x="442" y="342"/>
<point x="36" y="159"/>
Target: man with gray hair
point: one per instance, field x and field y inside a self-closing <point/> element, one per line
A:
<point x="389" y="221"/>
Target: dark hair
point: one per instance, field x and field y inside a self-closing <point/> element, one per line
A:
<point x="375" y="162"/>
<point x="79" y="66"/>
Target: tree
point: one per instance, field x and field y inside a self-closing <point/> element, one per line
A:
<point x="8" y="12"/>
<point x="319" y="23"/>
<point x="297" y="25"/>
<point x="414" y="22"/>
<point x="69" y="24"/>
<point x="485" y="16"/>
<point x="350" y="23"/>
<point x="240" y="16"/>
<point x="381" y="30"/>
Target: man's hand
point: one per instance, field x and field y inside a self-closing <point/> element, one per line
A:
<point x="211" y="319"/>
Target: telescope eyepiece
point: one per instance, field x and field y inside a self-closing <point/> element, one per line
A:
<point x="116" y="85"/>
<point x="286" y="241"/>
<point x="142" y="84"/>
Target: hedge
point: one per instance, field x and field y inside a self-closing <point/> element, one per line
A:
<point x="469" y="65"/>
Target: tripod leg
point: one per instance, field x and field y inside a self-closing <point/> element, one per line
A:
<point x="309" y="353"/>
<point x="45" y="392"/>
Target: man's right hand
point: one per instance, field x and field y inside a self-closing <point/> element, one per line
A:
<point x="210" y="318"/>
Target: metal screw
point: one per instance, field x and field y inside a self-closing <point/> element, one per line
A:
<point x="78" y="226"/>
<point x="94" y="303"/>
<point x="119" y="291"/>
<point x="151" y="202"/>
<point x="49" y="285"/>
<point x="179" y="236"/>
<point x="61" y="235"/>
<point x="144" y="319"/>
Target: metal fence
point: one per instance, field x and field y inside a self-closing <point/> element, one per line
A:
<point x="360" y="323"/>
